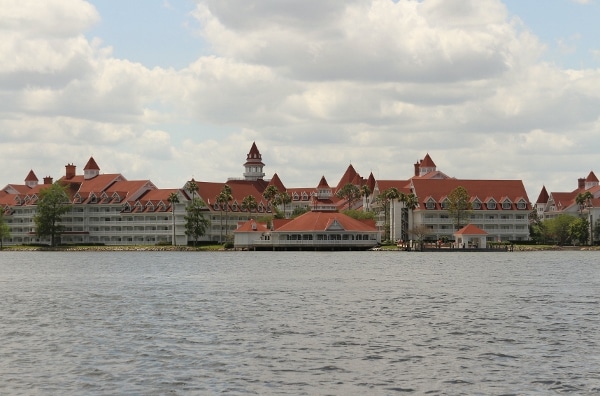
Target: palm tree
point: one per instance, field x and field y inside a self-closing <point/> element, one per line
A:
<point x="173" y="199"/>
<point x="191" y="187"/>
<point x="249" y="203"/>
<point x="365" y="191"/>
<point x="583" y="200"/>
<point x="269" y="194"/>
<point x="285" y="199"/>
<point x="226" y="197"/>
<point x="411" y="202"/>
<point x="392" y="194"/>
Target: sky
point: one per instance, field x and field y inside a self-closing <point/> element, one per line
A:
<point x="168" y="90"/>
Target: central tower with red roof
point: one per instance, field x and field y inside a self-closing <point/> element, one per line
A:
<point x="254" y="165"/>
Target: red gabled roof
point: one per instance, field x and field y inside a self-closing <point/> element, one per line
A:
<point x="347" y="177"/>
<point x="31" y="176"/>
<point x="437" y="189"/>
<point x="321" y="221"/>
<point x="543" y="197"/>
<point x="323" y="183"/>
<point x="91" y="165"/>
<point x="563" y="200"/>
<point x="591" y="178"/>
<point x="276" y="181"/>
<point x="252" y="226"/>
<point x="254" y="156"/>
<point x="427" y="162"/>
<point x="470" y="229"/>
<point x="371" y="182"/>
<point x="209" y="191"/>
<point x="401" y="185"/>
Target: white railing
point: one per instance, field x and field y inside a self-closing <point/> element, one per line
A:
<point x="276" y="242"/>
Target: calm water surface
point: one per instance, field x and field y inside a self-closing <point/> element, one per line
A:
<point x="287" y="323"/>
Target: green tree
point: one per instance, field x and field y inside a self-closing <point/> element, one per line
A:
<point x="249" y="203"/>
<point x="359" y="214"/>
<point x="459" y="206"/>
<point x="579" y="230"/>
<point x="284" y="199"/>
<point x="298" y="211"/>
<point x="52" y="204"/>
<point x="596" y="231"/>
<point x="4" y="229"/>
<point x="270" y="193"/>
<point x="350" y="192"/>
<point x="173" y="199"/>
<point x="192" y="188"/>
<point x="559" y="228"/>
<point x="195" y="222"/>
<point x="584" y="200"/>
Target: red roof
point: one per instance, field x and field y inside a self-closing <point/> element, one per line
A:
<point x="252" y="226"/>
<point x="543" y="197"/>
<point x="591" y="178"/>
<point x="347" y="177"/>
<point x="427" y="162"/>
<point x="31" y="176"/>
<point x="371" y="182"/>
<point x="322" y="221"/>
<point x="276" y="181"/>
<point x="470" y="229"/>
<point x="437" y="189"/>
<point x="402" y="185"/>
<point x="254" y="156"/>
<point x="323" y="183"/>
<point x="91" y="165"/>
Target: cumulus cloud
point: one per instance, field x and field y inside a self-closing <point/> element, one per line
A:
<point x="317" y="84"/>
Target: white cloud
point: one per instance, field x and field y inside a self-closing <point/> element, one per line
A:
<point x="316" y="84"/>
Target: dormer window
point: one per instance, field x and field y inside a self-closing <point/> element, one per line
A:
<point x="476" y="205"/>
<point x="491" y="204"/>
<point x="506" y="204"/>
<point x="445" y="204"/>
<point x="295" y="196"/>
<point x="522" y="204"/>
<point x="430" y="204"/>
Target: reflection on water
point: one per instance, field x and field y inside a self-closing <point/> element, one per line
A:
<point x="299" y="323"/>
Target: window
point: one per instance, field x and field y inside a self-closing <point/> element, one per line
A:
<point x="445" y="203"/>
<point x="491" y="205"/>
<point x="506" y="205"/>
<point x="476" y="205"/>
<point x="430" y="204"/>
<point x="521" y="205"/>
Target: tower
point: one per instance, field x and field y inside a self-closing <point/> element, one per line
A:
<point x="254" y="165"/>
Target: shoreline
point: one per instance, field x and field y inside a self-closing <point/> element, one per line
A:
<point x="219" y="248"/>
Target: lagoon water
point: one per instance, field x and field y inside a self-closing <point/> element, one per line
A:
<point x="290" y="323"/>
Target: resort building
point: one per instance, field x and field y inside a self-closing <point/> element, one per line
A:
<point x="314" y="230"/>
<point x="499" y="207"/>
<point x="551" y="205"/>
<point x="110" y="209"/>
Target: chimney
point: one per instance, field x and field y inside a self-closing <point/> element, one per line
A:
<point x="70" y="171"/>
<point x="48" y="180"/>
<point x="417" y="168"/>
<point x="581" y="183"/>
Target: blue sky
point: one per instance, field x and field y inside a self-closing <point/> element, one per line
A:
<point x="163" y="33"/>
<point x="166" y="90"/>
